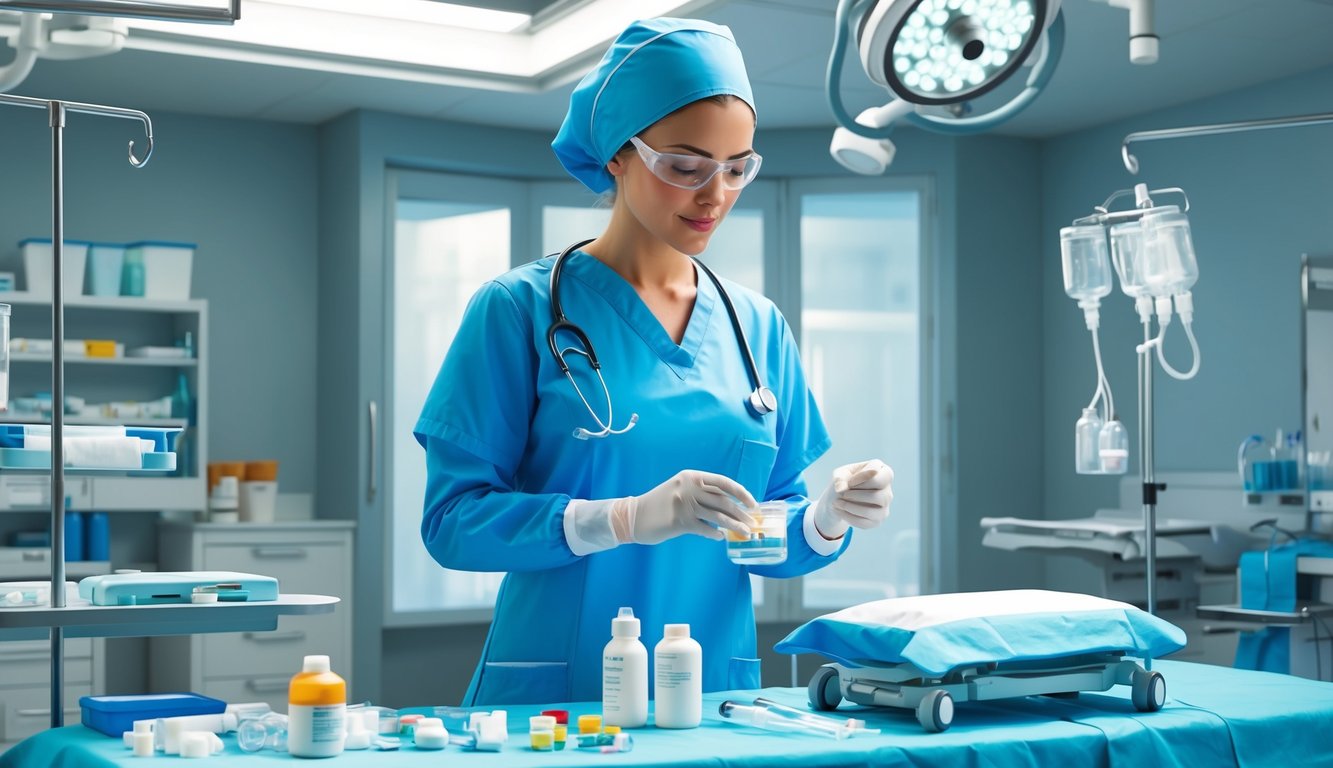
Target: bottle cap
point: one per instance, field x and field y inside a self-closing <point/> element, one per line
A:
<point x="261" y="471"/>
<point x="676" y="630"/>
<point x="625" y="624"/>
<point x="315" y="664"/>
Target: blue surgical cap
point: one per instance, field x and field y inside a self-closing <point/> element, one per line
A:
<point x="654" y="68"/>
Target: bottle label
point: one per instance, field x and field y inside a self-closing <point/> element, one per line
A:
<point x="672" y="671"/>
<point x="326" y="723"/>
<point x="613" y="674"/>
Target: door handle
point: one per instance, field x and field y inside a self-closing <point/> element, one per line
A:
<point x="274" y="637"/>
<point x="266" y="686"/>
<point x="374" y="469"/>
<point x="273" y="553"/>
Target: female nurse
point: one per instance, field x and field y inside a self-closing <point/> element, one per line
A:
<point x="609" y="487"/>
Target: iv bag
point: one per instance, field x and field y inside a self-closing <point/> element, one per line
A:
<point x="1087" y="268"/>
<point x="1169" y="266"/>
<point x="1127" y="246"/>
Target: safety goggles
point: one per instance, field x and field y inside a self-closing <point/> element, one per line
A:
<point x="694" y="171"/>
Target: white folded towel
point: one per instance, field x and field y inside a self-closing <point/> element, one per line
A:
<point x="96" y="452"/>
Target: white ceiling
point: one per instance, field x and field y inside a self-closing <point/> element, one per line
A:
<point x="1207" y="47"/>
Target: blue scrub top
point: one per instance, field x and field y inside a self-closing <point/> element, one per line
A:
<point x="502" y="465"/>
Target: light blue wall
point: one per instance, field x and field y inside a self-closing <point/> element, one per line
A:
<point x="1259" y="201"/>
<point x="245" y="192"/>
<point x="998" y="333"/>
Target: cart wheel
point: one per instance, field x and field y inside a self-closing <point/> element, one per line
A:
<point x="825" y="693"/>
<point x="1149" y="690"/>
<point x="935" y="712"/>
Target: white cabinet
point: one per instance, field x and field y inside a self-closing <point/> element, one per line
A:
<point x="132" y="322"/>
<point x="25" y="665"/>
<point x="306" y="558"/>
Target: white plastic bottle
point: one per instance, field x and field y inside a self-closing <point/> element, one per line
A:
<point x="678" y="665"/>
<point x="625" y="674"/>
<point x="316" y="710"/>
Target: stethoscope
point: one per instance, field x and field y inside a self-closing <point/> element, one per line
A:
<point x="760" y="402"/>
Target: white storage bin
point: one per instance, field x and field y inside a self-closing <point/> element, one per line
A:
<point x="166" y="267"/>
<point x="37" y="265"/>
<point x="105" y="261"/>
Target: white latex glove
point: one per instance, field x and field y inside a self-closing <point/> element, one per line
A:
<point x="858" y="495"/>
<point x="691" y="502"/>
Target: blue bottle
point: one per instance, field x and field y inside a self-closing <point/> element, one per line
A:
<point x="97" y="529"/>
<point x="132" y="274"/>
<point x="73" y="534"/>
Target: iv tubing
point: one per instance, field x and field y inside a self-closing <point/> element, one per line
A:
<point x="1103" y="384"/>
<point x="1194" y="345"/>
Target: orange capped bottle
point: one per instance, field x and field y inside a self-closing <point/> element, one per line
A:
<point x="316" y="710"/>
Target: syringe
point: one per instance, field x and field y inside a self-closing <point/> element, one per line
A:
<point x="772" y="716"/>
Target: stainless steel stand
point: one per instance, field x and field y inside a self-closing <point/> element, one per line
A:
<point x="57" y="112"/>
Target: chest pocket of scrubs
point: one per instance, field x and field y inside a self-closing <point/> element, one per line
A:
<point x="523" y="682"/>
<point x="756" y="465"/>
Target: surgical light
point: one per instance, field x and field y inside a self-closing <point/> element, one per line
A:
<point x="936" y="53"/>
<point x="944" y="51"/>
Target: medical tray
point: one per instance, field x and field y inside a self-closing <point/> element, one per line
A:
<point x="13" y="455"/>
<point x="155" y="588"/>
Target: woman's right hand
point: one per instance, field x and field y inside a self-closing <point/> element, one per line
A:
<point x="695" y="502"/>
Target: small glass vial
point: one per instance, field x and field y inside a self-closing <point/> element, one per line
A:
<point x="1113" y="448"/>
<point x="1087" y="431"/>
<point x="767" y="542"/>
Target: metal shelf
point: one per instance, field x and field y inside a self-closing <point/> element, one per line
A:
<point x="130" y="303"/>
<point x="1271" y="618"/>
<point x="146" y="362"/>
<point x="94" y="421"/>
<point x="81" y="618"/>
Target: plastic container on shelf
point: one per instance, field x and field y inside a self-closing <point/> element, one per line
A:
<point x="97" y="536"/>
<point x="132" y="274"/>
<point x="27" y="446"/>
<point x="105" y="262"/>
<point x="37" y="265"/>
<point x="166" y="266"/>
<point x="259" y="492"/>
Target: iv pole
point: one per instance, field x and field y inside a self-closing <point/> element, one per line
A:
<point x="57" y="111"/>
<point x="1150" y="486"/>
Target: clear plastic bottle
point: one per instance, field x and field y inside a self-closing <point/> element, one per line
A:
<point x="678" y="672"/>
<point x="1169" y="266"/>
<point x="316" y="710"/>
<point x="1087" y="430"/>
<point x="1113" y="448"/>
<point x="625" y="674"/>
<point x="1087" y="267"/>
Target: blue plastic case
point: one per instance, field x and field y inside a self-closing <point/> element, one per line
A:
<point x="113" y="715"/>
<point x="14" y="456"/>
<point x="156" y="588"/>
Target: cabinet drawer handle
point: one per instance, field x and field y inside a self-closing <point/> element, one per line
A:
<point x="266" y="686"/>
<point x="274" y="637"/>
<point x="274" y="553"/>
<point x="45" y="712"/>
